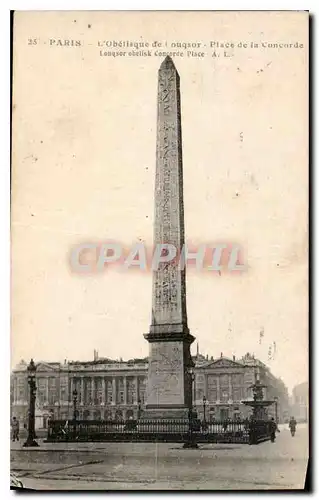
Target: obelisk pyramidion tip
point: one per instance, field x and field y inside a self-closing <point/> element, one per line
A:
<point x="168" y="63"/>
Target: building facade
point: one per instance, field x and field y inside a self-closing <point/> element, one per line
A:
<point x="300" y="402"/>
<point x="108" y="389"/>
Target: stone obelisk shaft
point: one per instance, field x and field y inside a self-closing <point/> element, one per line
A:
<point x="169" y="288"/>
<point x="169" y="390"/>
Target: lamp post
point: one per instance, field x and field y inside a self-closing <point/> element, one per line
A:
<point x="191" y="443"/>
<point x="204" y="407"/>
<point x="75" y="398"/>
<point x="276" y="408"/>
<point x="192" y="377"/>
<point x="139" y="409"/>
<point x="31" y="421"/>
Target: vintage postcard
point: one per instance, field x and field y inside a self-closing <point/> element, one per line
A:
<point x="159" y="225"/>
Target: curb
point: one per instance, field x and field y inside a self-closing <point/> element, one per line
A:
<point x="101" y="479"/>
<point x="59" y="450"/>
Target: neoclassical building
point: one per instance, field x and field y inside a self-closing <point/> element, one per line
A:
<point x="109" y="389"/>
<point x="300" y="402"/>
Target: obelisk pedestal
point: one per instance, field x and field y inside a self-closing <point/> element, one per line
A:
<point x="169" y="388"/>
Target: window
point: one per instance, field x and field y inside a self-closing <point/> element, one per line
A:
<point x="142" y="390"/>
<point x="237" y="379"/>
<point x="98" y="391"/>
<point x="52" y="390"/>
<point x="22" y="393"/>
<point x="237" y="394"/>
<point x="211" y="388"/>
<point x="212" y="395"/>
<point x="42" y="390"/>
<point x="131" y="391"/>
<point x="64" y="389"/>
<point x="109" y="391"/>
<point x="224" y="396"/>
<point x="88" y="390"/>
<point x="199" y="394"/>
<point x="120" y="387"/>
<point x="224" y="380"/>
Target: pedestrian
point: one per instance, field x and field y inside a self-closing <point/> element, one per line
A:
<point x="273" y="430"/>
<point x="15" y="429"/>
<point x="292" y="426"/>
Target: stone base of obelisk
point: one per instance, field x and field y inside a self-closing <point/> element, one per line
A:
<point x="169" y="385"/>
<point x="165" y="413"/>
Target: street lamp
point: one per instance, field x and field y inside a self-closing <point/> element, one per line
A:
<point x="139" y="409"/>
<point x="191" y="443"/>
<point x="276" y="408"/>
<point x="75" y="398"/>
<point x="192" y="378"/>
<point x="204" y="407"/>
<point x="31" y="423"/>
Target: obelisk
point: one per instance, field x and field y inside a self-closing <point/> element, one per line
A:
<point x="169" y="387"/>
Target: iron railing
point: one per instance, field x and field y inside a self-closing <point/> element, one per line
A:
<point x="231" y="431"/>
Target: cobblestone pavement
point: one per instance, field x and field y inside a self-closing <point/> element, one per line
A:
<point x="137" y="466"/>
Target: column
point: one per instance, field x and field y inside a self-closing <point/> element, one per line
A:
<point x="82" y="391"/>
<point x="205" y="386"/>
<point x="137" y="389"/>
<point x="70" y="395"/>
<point x="125" y="390"/>
<point x="230" y="387"/>
<point x="103" y="391"/>
<point x="93" y="390"/>
<point x="58" y="393"/>
<point x="114" y="398"/>
<point x="47" y="391"/>
<point x="218" y="390"/>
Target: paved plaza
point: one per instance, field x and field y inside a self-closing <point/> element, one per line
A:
<point x="137" y="466"/>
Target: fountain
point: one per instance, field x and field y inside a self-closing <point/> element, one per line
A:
<point x="258" y="404"/>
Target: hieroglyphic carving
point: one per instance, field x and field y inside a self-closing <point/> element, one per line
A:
<point x="167" y="286"/>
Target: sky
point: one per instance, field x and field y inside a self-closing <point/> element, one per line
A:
<point x="84" y="129"/>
